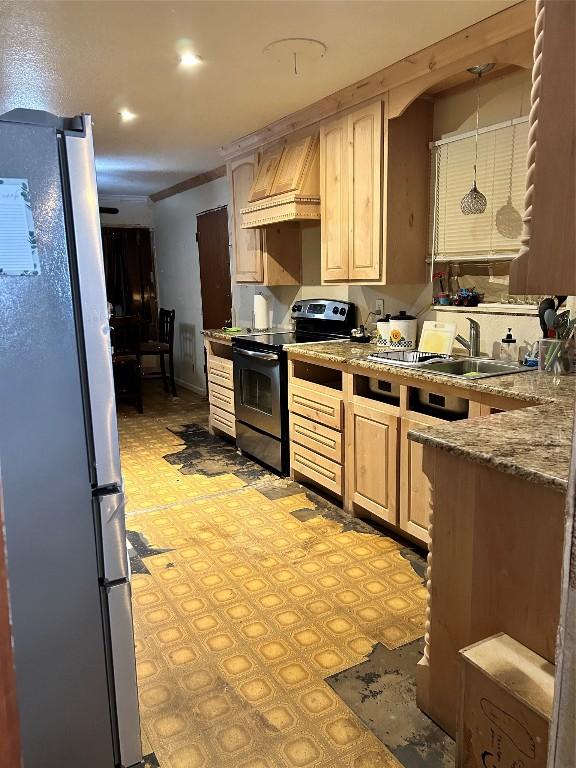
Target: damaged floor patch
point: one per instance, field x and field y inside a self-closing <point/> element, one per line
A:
<point x="382" y="693"/>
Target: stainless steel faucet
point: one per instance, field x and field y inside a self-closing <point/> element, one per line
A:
<point x="472" y="345"/>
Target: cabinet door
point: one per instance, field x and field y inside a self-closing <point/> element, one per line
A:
<point x="248" y="263"/>
<point x="265" y="175"/>
<point x="364" y="192"/>
<point x="334" y="200"/>
<point x="414" y="484"/>
<point x="292" y="165"/>
<point x="374" y="441"/>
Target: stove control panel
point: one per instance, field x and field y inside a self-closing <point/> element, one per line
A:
<point x="322" y="309"/>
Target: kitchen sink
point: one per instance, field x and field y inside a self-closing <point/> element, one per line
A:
<point x="474" y="367"/>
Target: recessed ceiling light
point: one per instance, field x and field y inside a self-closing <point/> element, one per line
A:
<point x="126" y="115"/>
<point x="189" y="59"/>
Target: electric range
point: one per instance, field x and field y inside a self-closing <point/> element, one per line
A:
<point x="261" y="376"/>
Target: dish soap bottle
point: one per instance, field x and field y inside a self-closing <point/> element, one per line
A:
<point x="509" y="348"/>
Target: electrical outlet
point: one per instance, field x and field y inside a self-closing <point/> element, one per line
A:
<point x="379" y="307"/>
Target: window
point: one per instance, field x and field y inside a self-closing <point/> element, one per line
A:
<point x="256" y="391"/>
<point x="501" y="177"/>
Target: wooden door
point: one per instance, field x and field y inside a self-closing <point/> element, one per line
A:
<point x="415" y="499"/>
<point x="334" y="200"/>
<point x="265" y="174"/>
<point x="374" y="442"/>
<point x="215" y="285"/>
<point x="246" y="243"/>
<point x="293" y="164"/>
<point x="364" y="192"/>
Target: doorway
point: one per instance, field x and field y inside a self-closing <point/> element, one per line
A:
<point x="130" y="275"/>
<point x="214" y="256"/>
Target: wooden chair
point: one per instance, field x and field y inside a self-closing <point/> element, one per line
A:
<point x="126" y="359"/>
<point x="164" y="346"/>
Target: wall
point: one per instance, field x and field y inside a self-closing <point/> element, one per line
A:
<point x="178" y="271"/>
<point x="133" y="211"/>
<point x="500" y="99"/>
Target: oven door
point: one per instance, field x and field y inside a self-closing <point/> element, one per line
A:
<point x="257" y="389"/>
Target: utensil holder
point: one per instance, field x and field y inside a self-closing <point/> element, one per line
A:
<point x="556" y="356"/>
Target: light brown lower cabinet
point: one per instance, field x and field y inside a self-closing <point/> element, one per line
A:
<point x="414" y="485"/>
<point x="221" y="393"/>
<point x="316" y="424"/>
<point x="316" y="467"/>
<point x="323" y="440"/>
<point x="372" y="453"/>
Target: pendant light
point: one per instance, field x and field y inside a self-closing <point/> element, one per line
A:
<point x="474" y="202"/>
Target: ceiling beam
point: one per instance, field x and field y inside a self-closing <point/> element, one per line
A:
<point x="487" y="33"/>
<point x="193" y="181"/>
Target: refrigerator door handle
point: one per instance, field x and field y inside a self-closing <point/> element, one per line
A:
<point x="114" y="557"/>
<point x="124" y="674"/>
<point x="93" y="307"/>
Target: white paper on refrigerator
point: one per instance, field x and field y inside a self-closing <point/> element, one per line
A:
<point x="18" y="247"/>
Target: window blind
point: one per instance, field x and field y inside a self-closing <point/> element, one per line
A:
<point x="501" y="177"/>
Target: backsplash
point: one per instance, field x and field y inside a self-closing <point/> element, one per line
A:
<point x="281" y="298"/>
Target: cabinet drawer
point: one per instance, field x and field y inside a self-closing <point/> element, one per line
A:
<point x="223" y="420"/>
<point x="220" y="372"/>
<point x="326" y="473"/>
<point x="220" y="397"/>
<point x="325" y="441"/>
<point x="316" y="404"/>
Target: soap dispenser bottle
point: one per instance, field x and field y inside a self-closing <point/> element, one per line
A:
<point x="509" y="348"/>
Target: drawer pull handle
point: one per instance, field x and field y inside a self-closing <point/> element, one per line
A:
<point x="314" y="436"/>
<point x="315" y="467"/>
<point x="303" y="401"/>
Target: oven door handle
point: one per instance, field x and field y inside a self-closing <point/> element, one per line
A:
<point x="259" y="355"/>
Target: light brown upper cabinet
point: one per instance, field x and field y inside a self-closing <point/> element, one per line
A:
<point x="334" y="200"/>
<point x="547" y="263"/>
<point x="374" y="176"/>
<point x="364" y="130"/>
<point x="270" y="255"/>
<point x="246" y="243"/>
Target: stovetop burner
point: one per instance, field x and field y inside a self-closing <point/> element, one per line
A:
<point x="278" y="339"/>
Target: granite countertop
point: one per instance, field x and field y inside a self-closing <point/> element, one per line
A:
<point x="220" y="334"/>
<point x="534" y="442"/>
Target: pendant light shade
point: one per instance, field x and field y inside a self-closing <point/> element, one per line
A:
<point x="475" y="202"/>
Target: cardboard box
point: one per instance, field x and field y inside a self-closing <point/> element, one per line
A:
<point x="506" y="694"/>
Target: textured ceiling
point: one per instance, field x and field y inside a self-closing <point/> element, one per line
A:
<point x="100" y="57"/>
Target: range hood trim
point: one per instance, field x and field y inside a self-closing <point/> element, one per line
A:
<point x="287" y="207"/>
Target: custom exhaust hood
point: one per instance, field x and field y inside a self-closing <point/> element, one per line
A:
<point x="286" y="186"/>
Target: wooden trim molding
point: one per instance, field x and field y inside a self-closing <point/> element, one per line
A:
<point x="193" y="181"/>
<point x="490" y="32"/>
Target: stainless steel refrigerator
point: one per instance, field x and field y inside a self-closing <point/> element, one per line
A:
<point x="59" y="458"/>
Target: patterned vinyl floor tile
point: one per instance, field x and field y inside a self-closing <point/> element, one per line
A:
<point x="242" y="610"/>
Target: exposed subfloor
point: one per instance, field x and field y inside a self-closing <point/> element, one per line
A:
<point x="272" y="629"/>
